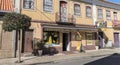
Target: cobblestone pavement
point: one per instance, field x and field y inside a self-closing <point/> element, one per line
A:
<point x="33" y="60"/>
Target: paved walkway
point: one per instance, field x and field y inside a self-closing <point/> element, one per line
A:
<point x="49" y="59"/>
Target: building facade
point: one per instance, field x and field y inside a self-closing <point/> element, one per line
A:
<point x="62" y="24"/>
<point x="107" y="19"/>
<point x="67" y="26"/>
<point x="7" y="39"/>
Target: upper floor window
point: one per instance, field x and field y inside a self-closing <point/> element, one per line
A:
<point x="108" y="15"/>
<point x="115" y="15"/>
<point x="77" y="9"/>
<point x="100" y="13"/>
<point x="88" y="11"/>
<point x="48" y="5"/>
<point x="28" y="4"/>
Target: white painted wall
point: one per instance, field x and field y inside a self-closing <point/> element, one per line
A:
<point x="94" y="11"/>
<point x="17" y="6"/>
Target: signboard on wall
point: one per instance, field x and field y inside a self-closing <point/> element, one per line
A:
<point x="101" y="24"/>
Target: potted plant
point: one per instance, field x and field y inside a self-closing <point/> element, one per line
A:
<point x="38" y="47"/>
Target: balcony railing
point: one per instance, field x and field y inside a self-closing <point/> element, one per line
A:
<point x="116" y="23"/>
<point x="70" y="19"/>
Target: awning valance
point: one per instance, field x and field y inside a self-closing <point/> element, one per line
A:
<point x="69" y="28"/>
<point x="6" y="6"/>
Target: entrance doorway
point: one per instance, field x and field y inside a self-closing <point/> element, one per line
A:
<point x="116" y="39"/>
<point x="66" y="44"/>
<point x="100" y="39"/>
<point x="27" y="45"/>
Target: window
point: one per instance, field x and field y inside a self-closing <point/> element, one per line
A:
<point x="88" y="11"/>
<point x="77" y="9"/>
<point x="47" y="5"/>
<point x="28" y="4"/>
<point x="100" y="14"/>
<point x="51" y="38"/>
<point x="108" y="16"/>
<point x="115" y="15"/>
<point x="89" y="38"/>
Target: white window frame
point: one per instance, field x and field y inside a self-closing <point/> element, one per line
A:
<point x="88" y="11"/>
<point x="28" y="4"/>
<point x="115" y="15"/>
<point x="108" y="15"/>
<point x="78" y="13"/>
<point x="100" y="13"/>
<point x="48" y="5"/>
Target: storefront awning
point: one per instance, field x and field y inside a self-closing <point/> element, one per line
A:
<point x="6" y="6"/>
<point x="69" y="28"/>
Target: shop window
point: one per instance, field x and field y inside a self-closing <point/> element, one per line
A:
<point x="78" y="36"/>
<point x="89" y="38"/>
<point x="51" y="38"/>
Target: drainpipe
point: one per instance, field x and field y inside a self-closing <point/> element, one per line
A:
<point x="94" y="11"/>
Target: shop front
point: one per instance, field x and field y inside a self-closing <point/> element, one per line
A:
<point x="60" y="39"/>
<point x="57" y="39"/>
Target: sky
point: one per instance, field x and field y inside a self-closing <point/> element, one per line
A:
<point x="115" y="1"/>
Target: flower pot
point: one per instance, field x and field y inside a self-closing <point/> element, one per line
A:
<point x="40" y="52"/>
<point x="96" y="47"/>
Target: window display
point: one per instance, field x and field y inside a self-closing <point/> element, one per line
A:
<point x="51" y="37"/>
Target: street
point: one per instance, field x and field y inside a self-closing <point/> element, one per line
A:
<point x="113" y="59"/>
<point x="99" y="57"/>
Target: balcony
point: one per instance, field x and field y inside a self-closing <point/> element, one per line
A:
<point x="116" y="23"/>
<point x="69" y="20"/>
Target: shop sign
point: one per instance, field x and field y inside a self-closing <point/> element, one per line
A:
<point x="101" y="24"/>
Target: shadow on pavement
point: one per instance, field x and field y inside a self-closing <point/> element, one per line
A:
<point x="113" y="59"/>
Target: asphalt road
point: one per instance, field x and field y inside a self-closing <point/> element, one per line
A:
<point x="113" y="59"/>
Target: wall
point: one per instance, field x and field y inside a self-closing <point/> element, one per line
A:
<point x="39" y="14"/>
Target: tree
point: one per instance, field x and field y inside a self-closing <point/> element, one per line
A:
<point x="18" y="22"/>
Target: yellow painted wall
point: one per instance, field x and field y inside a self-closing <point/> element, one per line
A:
<point x="109" y="31"/>
<point x="37" y="30"/>
<point x="109" y="22"/>
<point x="109" y="34"/>
<point x="39" y="14"/>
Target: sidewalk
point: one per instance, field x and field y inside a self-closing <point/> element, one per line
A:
<point x="50" y="59"/>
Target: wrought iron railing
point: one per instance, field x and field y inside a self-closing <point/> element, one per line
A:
<point x="70" y="19"/>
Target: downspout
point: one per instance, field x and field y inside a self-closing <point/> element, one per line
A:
<point x="94" y="11"/>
